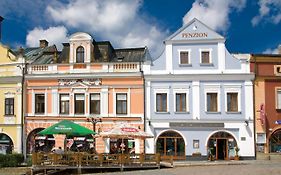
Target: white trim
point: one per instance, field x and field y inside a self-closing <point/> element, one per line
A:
<point x="115" y="103"/>
<point x="213" y="88"/>
<point x="89" y="103"/>
<point x="74" y="103"/>
<point x="172" y="130"/>
<point x="233" y="135"/>
<point x="195" y="100"/>
<point x="104" y="101"/>
<point x="249" y="113"/>
<point x="148" y="99"/>
<point x="221" y="56"/>
<point x="179" y="56"/>
<point x="210" y="54"/>
<point x="186" y="92"/>
<point x="169" y="56"/>
<point x="166" y="91"/>
<point x="58" y="102"/>
<point x="55" y="104"/>
<point x="233" y="89"/>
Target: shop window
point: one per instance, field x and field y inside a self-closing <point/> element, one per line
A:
<point x="95" y="103"/>
<point x="64" y="104"/>
<point x="79" y="104"/>
<point x="181" y="102"/>
<point x="80" y="54"/>
<point x="39" y="103"/>
<point x="9" y="106"/>
<point x="212" y="102"/>
<point x="121" y="103"/>
<point x="232" y="102"/>
<point x="161" y="102"/>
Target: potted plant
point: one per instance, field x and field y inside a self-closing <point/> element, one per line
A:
<point x="211" y="156"/>
<point x="237" y="149"/>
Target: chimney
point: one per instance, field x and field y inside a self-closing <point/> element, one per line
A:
<point x="1" y="19"/>
<point x="43" y="43"/>
<point x="279" y="49"/>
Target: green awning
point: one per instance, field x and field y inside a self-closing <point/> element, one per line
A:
<point x="68" y="128"/>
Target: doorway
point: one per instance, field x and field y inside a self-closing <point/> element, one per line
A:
<point x="221" y="149"/>
<point x="222" y="146"/>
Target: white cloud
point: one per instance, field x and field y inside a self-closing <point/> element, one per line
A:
<point x="269" y="10"/>
<point x="118" y="21"/>
<point x="214" y="13"/>
<point x="54" y="35"/>
<point x="271" y="51"/>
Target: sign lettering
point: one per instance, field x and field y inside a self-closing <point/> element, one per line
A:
<point x="194" y="35"/>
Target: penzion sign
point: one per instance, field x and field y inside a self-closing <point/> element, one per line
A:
<point x="194" y="35"/>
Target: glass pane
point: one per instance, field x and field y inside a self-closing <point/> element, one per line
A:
<point x="184" y="58"/>
<point x="205" y="57"/>
<point x="170" y="146"/>
<point x="160" y="146"/>
<point x="121" y="97"/>
<point x="180" y="147"/>
<point x="95" y="96"/>
<point x="212" y="102"/>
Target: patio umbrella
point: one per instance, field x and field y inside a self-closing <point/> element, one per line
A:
<point x="67" y="128"/>
<point x="122" y="131"/>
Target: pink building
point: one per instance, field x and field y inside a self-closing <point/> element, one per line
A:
<point x="88" y="82"/>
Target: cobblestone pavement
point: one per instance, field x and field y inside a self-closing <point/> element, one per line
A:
<point x="258" y="167"/>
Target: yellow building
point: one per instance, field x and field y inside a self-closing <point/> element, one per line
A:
<point x="10" y="101"/>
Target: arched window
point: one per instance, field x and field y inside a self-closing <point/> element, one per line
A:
<point x="80" y="54"/>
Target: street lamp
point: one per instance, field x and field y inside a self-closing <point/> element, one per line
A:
<point x="94" y="121"/>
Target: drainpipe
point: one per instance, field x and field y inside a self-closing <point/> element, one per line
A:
<point x="23" y="67"/>
<point x="254" y="105"/>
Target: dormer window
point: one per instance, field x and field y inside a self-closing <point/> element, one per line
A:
<point x="80" y="54"/>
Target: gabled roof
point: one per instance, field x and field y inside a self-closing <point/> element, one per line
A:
<point x="192" y="26"/>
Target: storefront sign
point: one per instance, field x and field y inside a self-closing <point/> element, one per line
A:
<point x="129" y="129"/>
<point x="194" y="35"/>
<point x="196" y="125"/>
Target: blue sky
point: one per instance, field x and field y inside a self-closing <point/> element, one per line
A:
<point x="250" y="26"/>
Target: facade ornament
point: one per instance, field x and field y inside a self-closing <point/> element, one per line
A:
<point x="87" y="82"/>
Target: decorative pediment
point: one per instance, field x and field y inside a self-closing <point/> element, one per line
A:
<point x="9" y="95"/>
<point x="80" y="36"/>
<point x="195" y="30"/>
<point x="79" y="82"/>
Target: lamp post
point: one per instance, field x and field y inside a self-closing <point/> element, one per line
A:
<point x="94" y="121"/>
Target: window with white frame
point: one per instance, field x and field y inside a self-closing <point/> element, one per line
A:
<point x="205" y="56"/>
<point x="212" y="102"/>
<point x="79" y="104"/>
<point x="161" y="102"/>
<point x="39" y="103"/>
<point x="121" y="103"/>
<point x="184" y="57"/>
<point x="181" y="102"/>
<point x="80" y="54"/>
<point x="232" y="101"/>
<point x="64" y="104"/>
<point x="95" y="103"/>
<point x="9" y="106"/>
<point x="278" y="99"/>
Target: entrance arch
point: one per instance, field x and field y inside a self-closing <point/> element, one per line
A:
<point x="222" y="145"/>
<point x="6" y="144"/>
<point x="275" y="142"/>
<point x="39" y="143"/>
<point x="171" y="143"/>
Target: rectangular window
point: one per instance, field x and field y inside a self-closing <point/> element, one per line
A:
<point x="9" y="106"/>
<point x="212" y="102"/>
<point x="184" y="57"/>
<point x="161" y="102"/>
<point x="79" y="104"/>
<point x="195" y="144"/>
<point x="205" y="57"/>
<point x="64" y="104"/>
<point x="39" y="103"/>
<point x="121" y="103"/>
<point x="278" y="99"/>
<point x="232" y="102"/>
<point x="180" y="102"/>
<point x="95" y="104"/>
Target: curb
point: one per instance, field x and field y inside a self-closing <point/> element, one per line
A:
<point x="187" y="164"/>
